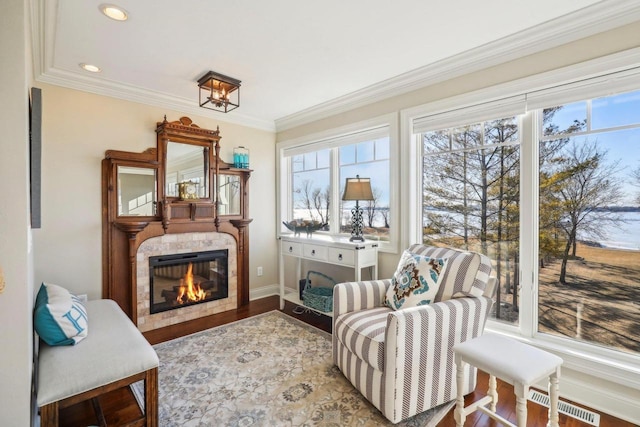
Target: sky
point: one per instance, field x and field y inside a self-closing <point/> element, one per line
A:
<point x="608" y="115"/>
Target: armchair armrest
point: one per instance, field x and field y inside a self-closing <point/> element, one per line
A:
<point x="355" y="296"/>
<point x="430" y="330"/>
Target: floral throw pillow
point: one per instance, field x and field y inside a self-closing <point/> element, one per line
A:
<point x="416" y="281"/>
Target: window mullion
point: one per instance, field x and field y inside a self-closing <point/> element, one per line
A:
<point x="334" y="215"/>
<point x="289" y="187"/>
<point x="529" y="228"/>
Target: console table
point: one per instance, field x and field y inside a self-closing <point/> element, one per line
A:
<point x="329" y="250"/>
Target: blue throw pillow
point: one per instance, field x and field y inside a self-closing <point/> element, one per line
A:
<point x="59" y="317"/>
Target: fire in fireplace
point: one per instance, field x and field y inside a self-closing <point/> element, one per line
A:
<point x="182" y="280"/>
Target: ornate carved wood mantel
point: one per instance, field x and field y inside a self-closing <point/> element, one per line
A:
<point x="180" y="186"/>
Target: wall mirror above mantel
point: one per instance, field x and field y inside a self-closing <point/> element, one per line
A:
<point x="187" y="155"/>
<point x="180" y="186"/>
<point x="229" y="187"/>
<point x="187" y="163"/>
<point x="137" y="195"/>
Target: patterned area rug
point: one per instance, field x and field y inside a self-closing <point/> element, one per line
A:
<point x="267" y="370"/>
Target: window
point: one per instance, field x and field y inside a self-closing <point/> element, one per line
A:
<point x="471" y="193"/>
<point x="552" y="196"/>
<point x="367" y="159"/>
<point x="313" y="174"/>
<point x="589" y="221"/>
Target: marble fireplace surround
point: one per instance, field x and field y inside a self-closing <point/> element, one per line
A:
<point x="168" y="244"/>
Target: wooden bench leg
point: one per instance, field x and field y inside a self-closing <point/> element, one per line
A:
<point x="151" y="397"/>
<point x="49" y="415"/>
<point x="97" y="409"/>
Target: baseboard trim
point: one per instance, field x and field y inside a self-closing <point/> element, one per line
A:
<point x="264" y="291"/>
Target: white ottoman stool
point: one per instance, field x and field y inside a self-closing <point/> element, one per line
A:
<point x="518" y="364"/>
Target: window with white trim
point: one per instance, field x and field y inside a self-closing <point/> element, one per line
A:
<point x="589" y="221"/>
<point x="553" y="197"/>
<point x="367" y="159"/>
<point x="312" y="179"/>
<point x="471" y="197"/>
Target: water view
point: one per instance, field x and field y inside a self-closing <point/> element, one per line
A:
<point x="626" y="236"/>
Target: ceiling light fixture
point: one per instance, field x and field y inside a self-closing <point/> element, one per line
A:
<point x="219" y="92"/>
<point x="114" y="12"/>
<point x="90" y="68"/>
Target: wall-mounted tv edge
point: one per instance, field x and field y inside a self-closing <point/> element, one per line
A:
<point x="35" y="154"/>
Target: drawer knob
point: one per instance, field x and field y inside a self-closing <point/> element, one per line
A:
<point x="340" y="257"/>
<point x="313" y="252"/>
<point x="290" y="248"/>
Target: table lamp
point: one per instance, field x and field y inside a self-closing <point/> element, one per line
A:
<point x="357" y="189"/>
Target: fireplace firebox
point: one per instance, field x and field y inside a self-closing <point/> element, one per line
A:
<point x="182" y="280"/>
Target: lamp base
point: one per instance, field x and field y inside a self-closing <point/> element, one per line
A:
<point x="356" y="224"/>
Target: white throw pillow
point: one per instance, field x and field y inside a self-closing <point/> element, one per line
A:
<point x="59" y="317"/>
<point x="416" y="281"/>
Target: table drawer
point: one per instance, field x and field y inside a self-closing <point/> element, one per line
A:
<point x="342" y="256"/>
<point x="292" y="248"/>
<point x="315" y="252"/>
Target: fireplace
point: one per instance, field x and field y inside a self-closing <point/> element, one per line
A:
<point x="186" y="279"/>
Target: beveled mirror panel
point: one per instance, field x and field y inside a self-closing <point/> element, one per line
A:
<point x="136" y="191"/>
<point x="229" y="196"/>
<point x="186" y="163"/>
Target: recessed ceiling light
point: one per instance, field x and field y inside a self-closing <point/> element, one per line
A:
<point x="91" y="68"/>
<point x="114" y="12"/>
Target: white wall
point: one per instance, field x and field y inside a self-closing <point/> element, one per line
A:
<point x="78" y="127"/>
<point x="16" y="334"/>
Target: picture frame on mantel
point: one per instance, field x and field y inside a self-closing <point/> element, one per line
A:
<point x="35" y="155"/>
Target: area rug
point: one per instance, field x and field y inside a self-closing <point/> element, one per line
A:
<point x="267" y="370"/>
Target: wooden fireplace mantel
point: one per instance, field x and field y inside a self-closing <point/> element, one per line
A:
<point x="151" y="176"/>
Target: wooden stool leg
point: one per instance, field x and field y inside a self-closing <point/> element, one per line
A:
<point x="98" y="411"/>
<point x="521" y="391"/>
<point x="49" y="415"/>
<point x="493" y="392"/>
<point x="554" y="389"/>
<point x="151" y="397"/>
<point x="459" y="414"/>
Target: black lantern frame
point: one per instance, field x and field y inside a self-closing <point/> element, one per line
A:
<point x="219" y="92"/>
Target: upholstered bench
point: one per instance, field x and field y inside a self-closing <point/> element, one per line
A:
<point x="518" y="364"/>
<point x="113" y="355"/>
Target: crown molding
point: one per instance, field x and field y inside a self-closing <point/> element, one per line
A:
<point x="145" y="96"/>
<point x="600" y="17"/>
<point x="43" y="22"/>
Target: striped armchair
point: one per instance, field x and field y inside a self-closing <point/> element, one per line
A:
<point x="402" y="361"/>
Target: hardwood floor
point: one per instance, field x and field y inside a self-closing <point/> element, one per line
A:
<point x="120" y="405"/>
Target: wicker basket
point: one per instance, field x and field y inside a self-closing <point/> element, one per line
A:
<point x="320" y="297"/>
